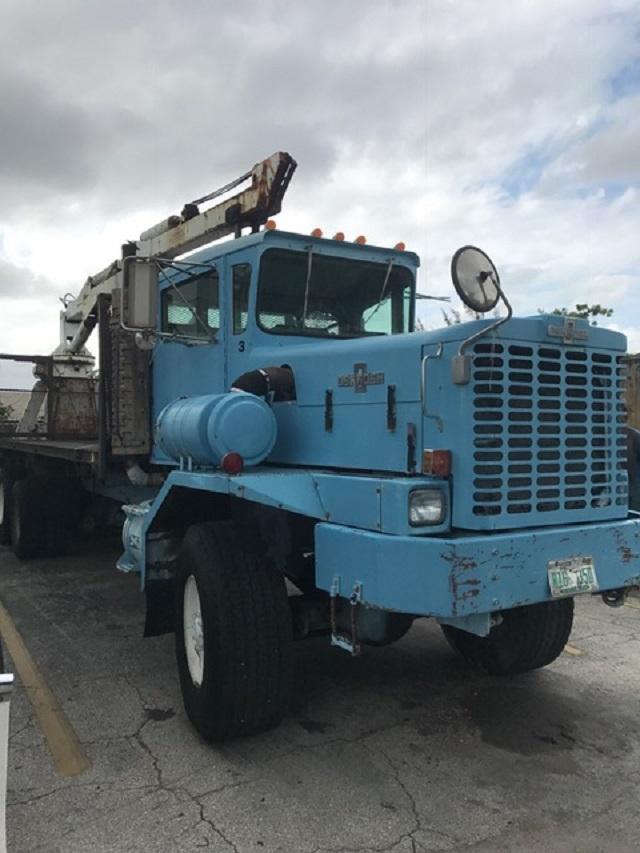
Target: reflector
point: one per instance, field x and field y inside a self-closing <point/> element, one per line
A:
<point x="232" y="463"/>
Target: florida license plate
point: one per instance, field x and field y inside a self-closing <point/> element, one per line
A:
<point x="572" y="577"/>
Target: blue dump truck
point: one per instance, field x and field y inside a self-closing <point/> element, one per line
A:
<point x="291" y="459"/>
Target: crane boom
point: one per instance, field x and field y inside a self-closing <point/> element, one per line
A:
<point x="190" y="230"/>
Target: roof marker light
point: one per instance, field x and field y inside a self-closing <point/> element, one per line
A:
<point x="339" y="236"/>
<point x="317" y="232"/>
<point x="400" y="247"/>
<point x="361" y="240"/>
<point x="270" y="225"/>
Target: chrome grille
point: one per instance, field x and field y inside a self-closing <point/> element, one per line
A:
<point x="548" y="433"/>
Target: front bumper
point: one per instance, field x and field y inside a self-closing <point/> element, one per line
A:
<point x="467" y="575"/>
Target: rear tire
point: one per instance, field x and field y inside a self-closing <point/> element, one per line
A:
<point x="233" y="633"/>
<point x="6" y="484"/>
<point x="42" y="511"/>
<point x="28" y="528"/>
<point x="527" y="638"/>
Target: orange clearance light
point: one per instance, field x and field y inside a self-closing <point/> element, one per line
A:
<point x="436" y="462"/>
<point x="339" y="236"/>
<point x="361" y="240"/>
<point x="270" y="225"/>
<point x="232" y="463"/>
<point x="400" y="247"/>
<point x="317" y="232"/>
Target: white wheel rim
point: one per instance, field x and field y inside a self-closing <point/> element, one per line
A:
<point x="193" y="631"/>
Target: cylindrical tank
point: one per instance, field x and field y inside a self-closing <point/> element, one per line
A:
<point x="205" y="429"/>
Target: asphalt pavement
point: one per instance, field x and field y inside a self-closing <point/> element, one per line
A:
<point x="403" y="749"/>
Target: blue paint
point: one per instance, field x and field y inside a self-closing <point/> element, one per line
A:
<point x="537" y="464"/>
<point x="202" y="430"/>
<point x="366" y="502"/>
<point x="466" y="575"/>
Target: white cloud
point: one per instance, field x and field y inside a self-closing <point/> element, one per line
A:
<point x="417" y="120"/>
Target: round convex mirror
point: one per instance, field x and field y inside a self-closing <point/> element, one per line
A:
<point x="475" y="279"/>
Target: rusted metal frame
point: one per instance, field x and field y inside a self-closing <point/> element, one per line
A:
<point x="51" y="402"/>
<point x="249" y="208"/>
<point x="105" y="383"/>
<point x="348" y="643"/>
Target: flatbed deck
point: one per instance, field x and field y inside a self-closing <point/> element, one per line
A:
<point x="74" y="450"/>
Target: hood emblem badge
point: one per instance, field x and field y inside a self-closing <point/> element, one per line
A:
<point x="360" y="379"/>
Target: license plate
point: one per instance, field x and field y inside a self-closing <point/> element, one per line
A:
<point x="572" y="577"/>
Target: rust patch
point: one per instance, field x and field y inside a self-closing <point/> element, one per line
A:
<point x="459" y="563"/>
<point x="624" y="551"/>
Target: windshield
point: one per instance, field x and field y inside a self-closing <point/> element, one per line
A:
<point x="325" y="296"/>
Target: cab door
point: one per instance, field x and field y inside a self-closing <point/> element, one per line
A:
<point x="188" y="359"/>
<point x="241" y="275"/>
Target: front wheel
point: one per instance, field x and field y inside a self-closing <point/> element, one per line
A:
<point x="527" y="638"/>
<point x="233" y="633"/>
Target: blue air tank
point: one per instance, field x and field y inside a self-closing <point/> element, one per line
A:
<point x="206" y="428"/>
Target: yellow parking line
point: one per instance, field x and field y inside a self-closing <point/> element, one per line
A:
<point x="632" y="604"/>
<point x="573" y="650"/>
<point x="68" y="755"/>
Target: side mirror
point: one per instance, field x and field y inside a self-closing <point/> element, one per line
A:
<point x="139" y="295"/>
<point x="475" y="279"/>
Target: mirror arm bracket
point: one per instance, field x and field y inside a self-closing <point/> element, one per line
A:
<point x="461" y="363"/>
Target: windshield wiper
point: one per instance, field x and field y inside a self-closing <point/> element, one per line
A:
<point x="307" y="286"/>
<point x="199" y="321"/>
<point x="382" y="296"/>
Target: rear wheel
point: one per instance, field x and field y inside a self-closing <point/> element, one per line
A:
<point x="233" y="633"/>
<point x="41" y="514"/>
<point x="527" y="638"/>
<point x="6" y="482"/>
<point x="28" y="529"/>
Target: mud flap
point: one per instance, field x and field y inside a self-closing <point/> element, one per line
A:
<point x="160" y="609"/>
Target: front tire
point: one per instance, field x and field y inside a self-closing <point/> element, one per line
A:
<point x="233" y="633"/>
<point x="527" y="638"/>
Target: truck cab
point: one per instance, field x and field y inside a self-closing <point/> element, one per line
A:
<point x="250" y="306"/>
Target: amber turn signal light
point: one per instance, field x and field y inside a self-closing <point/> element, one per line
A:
<point x="436" y="462"/>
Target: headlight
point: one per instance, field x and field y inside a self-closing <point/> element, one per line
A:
<point x="426" y="506"/>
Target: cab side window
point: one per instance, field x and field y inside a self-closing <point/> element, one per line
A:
<point x="241" y="279"/>
<point x="192" y="307"/>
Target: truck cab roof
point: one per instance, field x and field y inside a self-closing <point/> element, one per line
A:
<point x="293" y="240"/>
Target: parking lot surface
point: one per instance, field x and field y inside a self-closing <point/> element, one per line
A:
<point x="402" y="750"/>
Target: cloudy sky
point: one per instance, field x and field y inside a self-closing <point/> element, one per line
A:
<point x="511" y="124"/>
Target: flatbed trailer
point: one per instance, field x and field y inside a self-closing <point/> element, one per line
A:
<point x="73" y="451"/>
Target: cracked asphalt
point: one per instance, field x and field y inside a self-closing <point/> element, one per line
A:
<point x="400" y="750"/>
